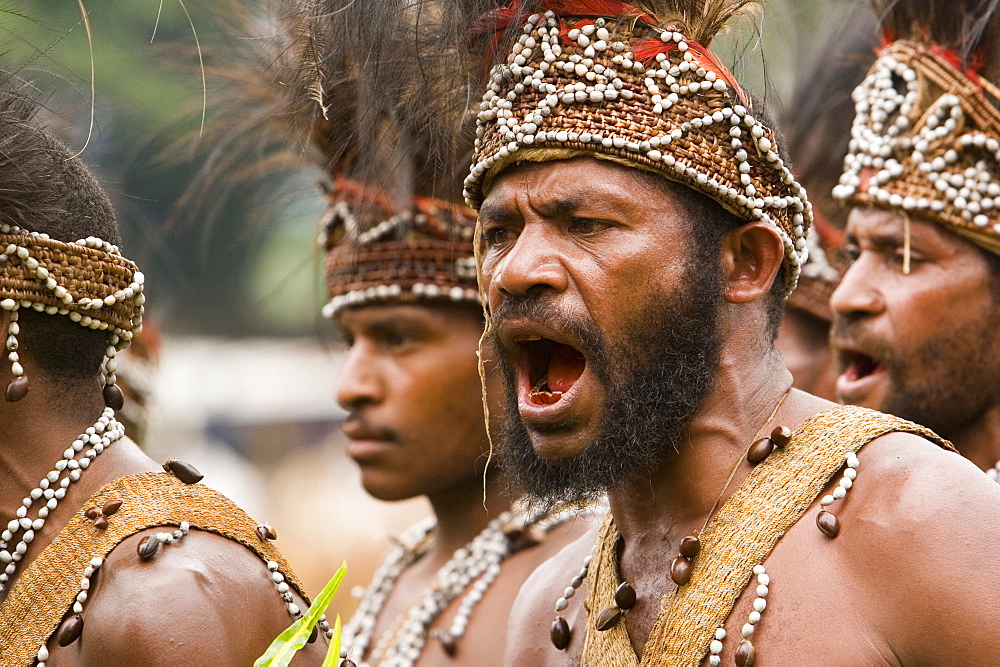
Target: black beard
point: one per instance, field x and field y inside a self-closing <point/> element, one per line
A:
<point x="654" y="381"/>
<point x="946" y="385"/>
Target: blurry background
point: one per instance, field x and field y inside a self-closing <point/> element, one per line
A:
<point x="247" y="366"/>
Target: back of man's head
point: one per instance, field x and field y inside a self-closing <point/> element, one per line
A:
<point x="48" y="190"/>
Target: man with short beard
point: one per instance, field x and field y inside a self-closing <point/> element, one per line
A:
<point x="639" y="232"/>
<point x="918" y="311"/>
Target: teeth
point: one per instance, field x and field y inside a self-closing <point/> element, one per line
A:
<point x="527" y="337"/>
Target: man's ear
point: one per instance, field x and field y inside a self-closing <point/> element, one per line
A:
<point x="751" y="258"/>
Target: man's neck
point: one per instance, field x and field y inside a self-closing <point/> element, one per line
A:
<point x="678" y="498"/>
<point x="34" y="433"/>
<point x="980" y="441"/>
<point x="462" y="512"/>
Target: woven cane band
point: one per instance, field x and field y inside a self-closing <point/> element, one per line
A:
<point x="926" y="140"/>
<point x="629" y="89"/>
<point x="87" y="280"/>
<point x="775" y="495"/>
<point x="375" y="254"/>
<point x="48" y="587"/>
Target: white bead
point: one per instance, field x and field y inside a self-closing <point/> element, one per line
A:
<point x="747" y="630"/>
<point x="759" y="605"/>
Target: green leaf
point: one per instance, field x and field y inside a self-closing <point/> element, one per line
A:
<point x="283" y="649"/>
<point x="333" y="655"/>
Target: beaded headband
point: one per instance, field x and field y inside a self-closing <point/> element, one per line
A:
<point x="375" y="255"/>
<point x="631" y="90"/>
<point x="88" y="281"/>
<point x="822" y="271"/>
<point x="926" y="140"/>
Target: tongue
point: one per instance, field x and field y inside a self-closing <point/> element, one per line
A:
<point x="565" y="368"/>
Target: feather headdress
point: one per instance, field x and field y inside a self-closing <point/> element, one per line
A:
<point x="926" y="133"/>
<point x="377" y="95"/>
<point x="635" y="83"/>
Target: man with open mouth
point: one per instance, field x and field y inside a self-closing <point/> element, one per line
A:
<point x="639" y="231"/>
<point x="918" y="312"/>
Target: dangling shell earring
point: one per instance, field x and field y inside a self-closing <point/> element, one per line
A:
<point x="18" y="387"/>
<point x="113" y="396"/>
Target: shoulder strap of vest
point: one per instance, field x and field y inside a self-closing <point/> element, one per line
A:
<point x="48" y="586"/>
<point x="774" y="496"/>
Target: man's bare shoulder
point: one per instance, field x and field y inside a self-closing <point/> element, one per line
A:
<point x="920" y="526"/>
<point x="917" y="482"/>
<point x="531" y="617"/>
<point x="202" y="600"/>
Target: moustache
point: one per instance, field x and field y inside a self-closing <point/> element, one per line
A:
<point x="541" y="309"/>
<point x="357" y="427"/>
<point x="847" y="331"/>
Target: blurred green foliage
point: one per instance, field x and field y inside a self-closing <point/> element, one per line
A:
<point x="253" y="269"/>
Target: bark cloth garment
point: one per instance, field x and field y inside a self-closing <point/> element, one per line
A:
<point x="47" y="588"/>
<point x="771" y="500"/>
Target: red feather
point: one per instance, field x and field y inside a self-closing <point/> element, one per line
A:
<point x="707" y="59"/>
<point x="598" y="8"/>
<point x="955" y="61"/>
<point x="647" y="49"/>
<point x="496" y="20"/>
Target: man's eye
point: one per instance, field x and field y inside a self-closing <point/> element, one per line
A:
<point x="849" y="254"/>
<point x="395" y="339"/>
<point x="586" y="226"/>
<point x="496" y="236"/>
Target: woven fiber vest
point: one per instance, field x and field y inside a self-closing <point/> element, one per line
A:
<point x="47" y="588"/>
<point x="774" y="496"/>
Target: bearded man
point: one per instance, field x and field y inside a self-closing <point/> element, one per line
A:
<point x="639" y="233"/>
<point x="917" y="313"/>
<point x="109" y="559"/>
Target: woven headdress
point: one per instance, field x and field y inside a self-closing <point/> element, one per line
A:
<point x="376" y="90"/>
<point x="926" y="134"/>
<point x="635" y="83"/>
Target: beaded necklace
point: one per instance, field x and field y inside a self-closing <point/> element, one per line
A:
<point x="52" y="488"/>
<point x="477" y="564"/>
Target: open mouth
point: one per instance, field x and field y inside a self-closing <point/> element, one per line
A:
<point x="552" y="368"/>
<point x="859" y="366"/>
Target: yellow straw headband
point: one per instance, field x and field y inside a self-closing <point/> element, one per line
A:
<point x="88" y="281"/>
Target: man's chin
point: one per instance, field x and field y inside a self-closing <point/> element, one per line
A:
<point x="553" y="443"/>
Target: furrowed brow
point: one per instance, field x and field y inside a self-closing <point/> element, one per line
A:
<point x="560" y="208"/>
<point x="498" y="213"/>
